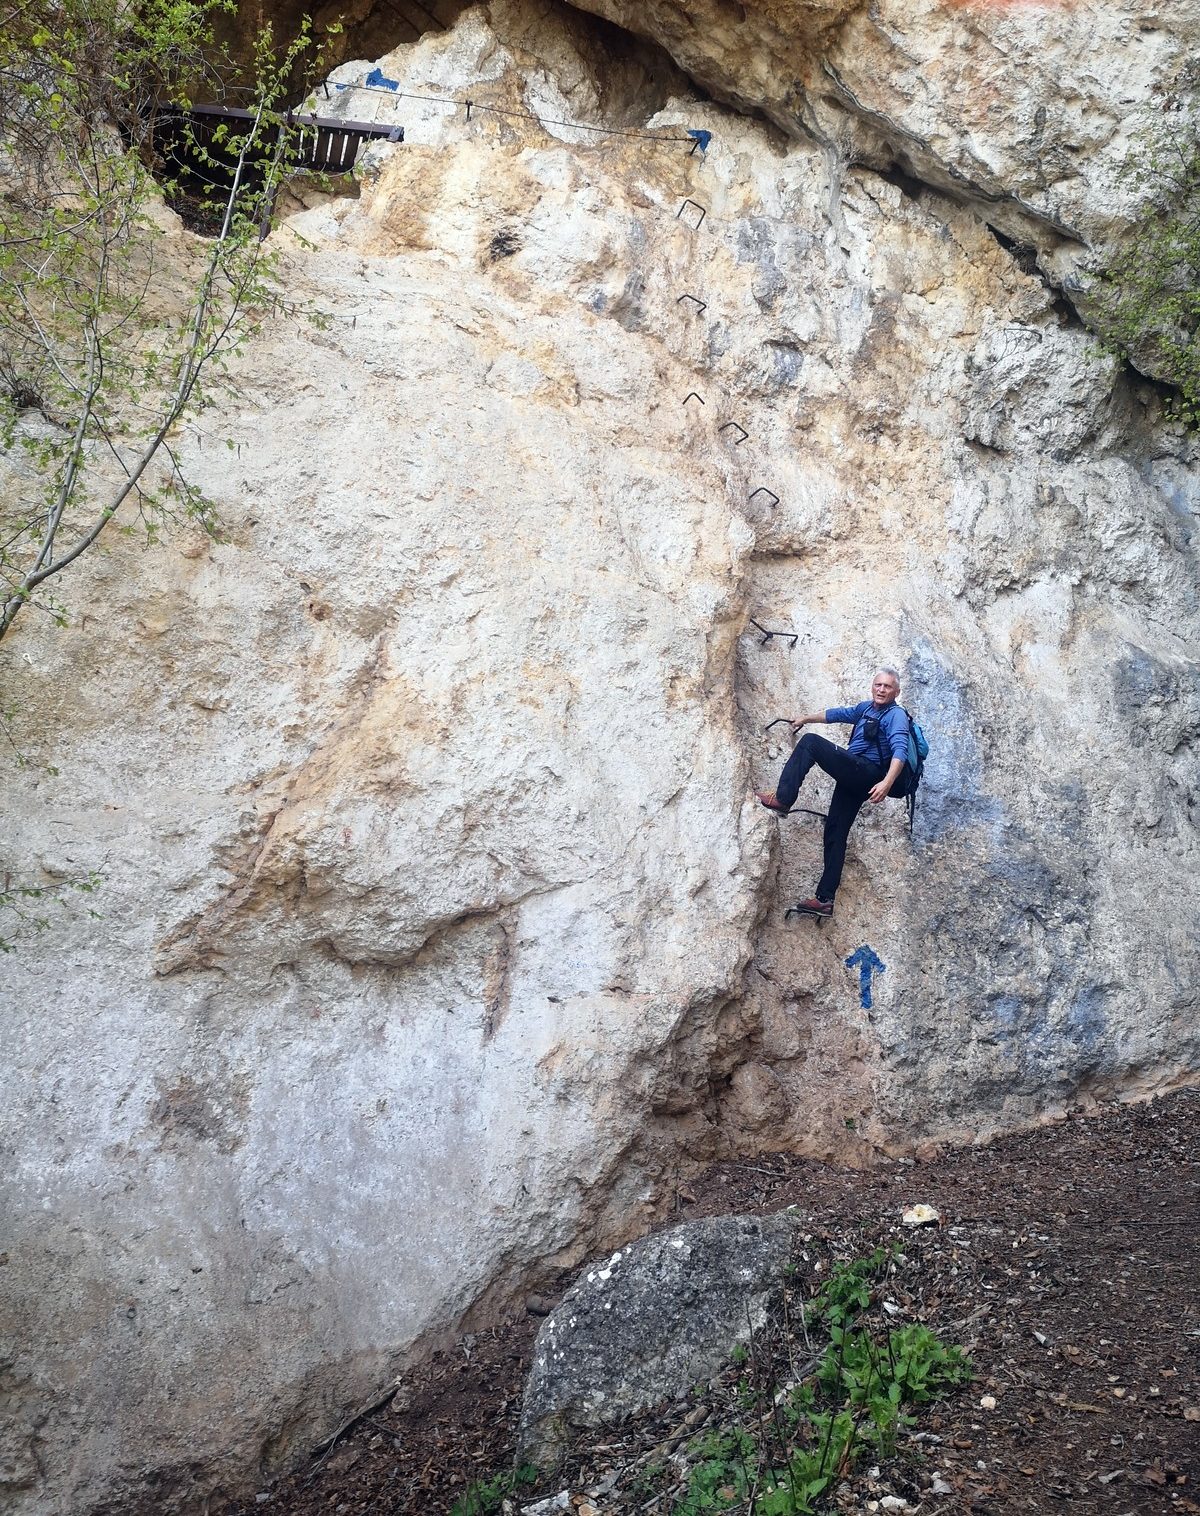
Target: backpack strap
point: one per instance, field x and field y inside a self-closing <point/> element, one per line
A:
<point x="886" y="757"/>
<point x="909" y="719"/>
<point x="911" y="798"/>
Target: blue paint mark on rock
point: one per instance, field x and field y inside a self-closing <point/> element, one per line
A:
<point x="1007" y="1011"/>
<point x="1086" y="1018"/>
<point x="378" y="80"/>
<point x="867" y="963"/>
<point x="950" y="796"/>
<point x="703" y="138"/>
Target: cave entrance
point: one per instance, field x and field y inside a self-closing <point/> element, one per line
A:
<point x="392" y="22"/>
<point x="369" y="28"/>
<point x="196" y="151"/>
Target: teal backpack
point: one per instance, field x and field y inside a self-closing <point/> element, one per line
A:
<point x="905" y="787"/>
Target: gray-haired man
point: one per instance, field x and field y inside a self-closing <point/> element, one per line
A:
<point x="866" y="769"/>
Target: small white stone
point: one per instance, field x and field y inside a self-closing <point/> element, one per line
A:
<point x="552" y="1503"/>
<point x="988" y="1403"/>
<point x="921" y="1215"/>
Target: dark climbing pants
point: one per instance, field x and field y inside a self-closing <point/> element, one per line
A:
<point x="854" y="775"/>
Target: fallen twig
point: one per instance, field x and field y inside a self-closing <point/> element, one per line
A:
<point x="327" y="1447"/>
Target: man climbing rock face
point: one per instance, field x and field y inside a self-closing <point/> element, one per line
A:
<point x="866" y="769"/>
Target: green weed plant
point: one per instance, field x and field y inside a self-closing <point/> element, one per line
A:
<point x="487" y="1496"/>
<point x="788" y="1460"/>
<point x="782" y="1451"/>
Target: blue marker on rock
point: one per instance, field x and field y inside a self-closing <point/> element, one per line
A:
<point x="867" y="963"/>
<point x="377" y="79"/>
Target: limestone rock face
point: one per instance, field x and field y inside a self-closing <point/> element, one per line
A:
<point x="438" y="931"/>
<point x="1028" y="113"/>
<point x="645" y="1324"/>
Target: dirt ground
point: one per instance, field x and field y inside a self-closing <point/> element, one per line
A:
<point x="1067" y="1263"/>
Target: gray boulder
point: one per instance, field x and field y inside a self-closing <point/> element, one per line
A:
<point x="647" y="1323"/>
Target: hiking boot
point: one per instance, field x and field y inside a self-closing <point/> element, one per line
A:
<point x="814" y="907"/>
<point x="767" y="798"/>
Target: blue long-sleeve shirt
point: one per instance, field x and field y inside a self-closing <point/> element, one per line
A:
<point x="892" y="741"/>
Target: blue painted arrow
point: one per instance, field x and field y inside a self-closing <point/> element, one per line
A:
<point x="377" y="79"/>
<point x="865" y="961"/>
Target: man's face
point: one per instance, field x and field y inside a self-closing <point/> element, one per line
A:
<point x="884" y="689"/>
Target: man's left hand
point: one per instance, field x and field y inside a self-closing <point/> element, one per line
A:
<point x="878" y="792"/>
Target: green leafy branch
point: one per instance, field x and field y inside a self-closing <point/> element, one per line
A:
<point x="23" y="907"/>
<point x="100" y="361"/>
